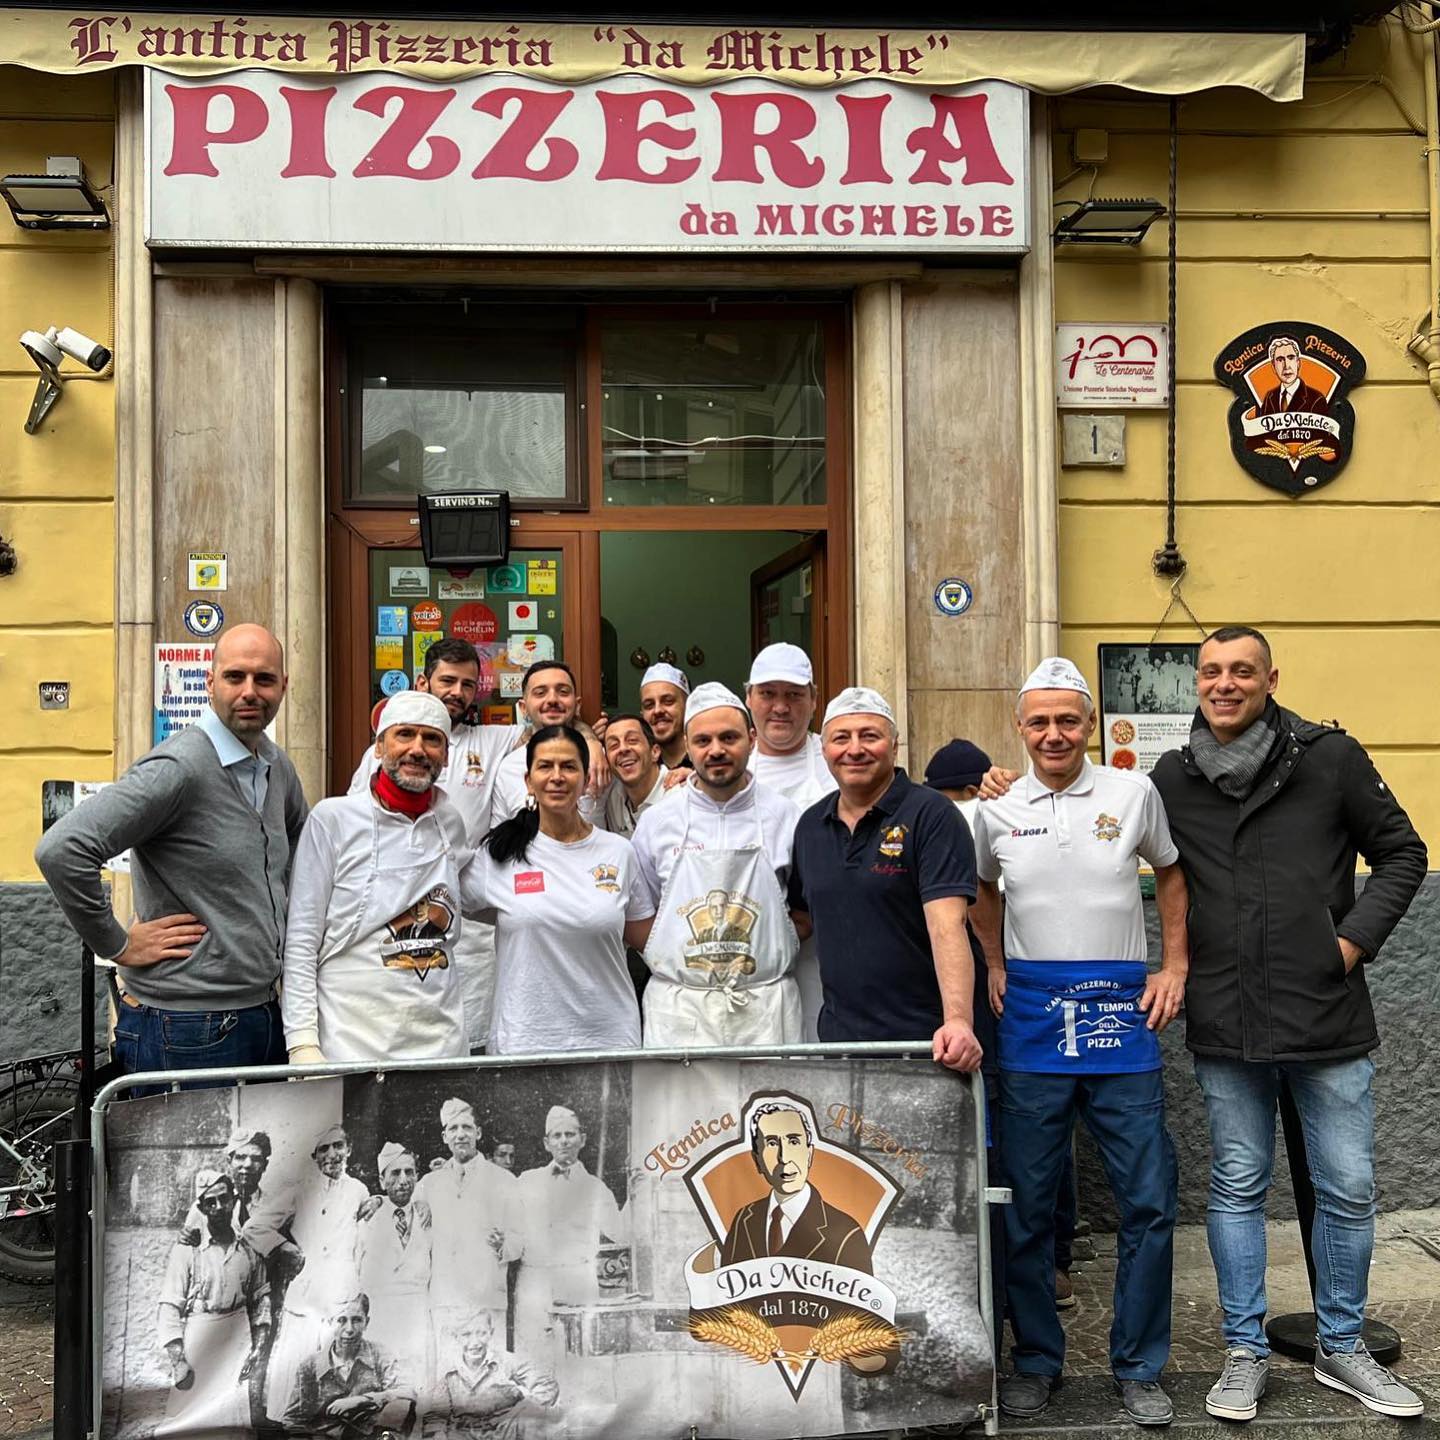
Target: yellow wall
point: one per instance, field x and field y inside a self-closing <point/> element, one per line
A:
<point x="56" y="487"/>
<point x="1346" y="581"/>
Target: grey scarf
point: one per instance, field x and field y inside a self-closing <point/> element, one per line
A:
<point x="1233" y="769"/>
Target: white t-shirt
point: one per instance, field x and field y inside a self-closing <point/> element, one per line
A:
<point x="559" y="918"/>
<point x="510" y="793"/>
<point x="619" y="818"/>
<point x="802" y="776"/>
<point x="1069" y="863"/>
<point x="469" y="775"/>
<point x="709" y="825"/>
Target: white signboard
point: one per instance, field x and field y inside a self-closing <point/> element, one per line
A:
<point x="503" y="162"/>
<point x="180" y="695"/>
<point x="1106" y="365"/>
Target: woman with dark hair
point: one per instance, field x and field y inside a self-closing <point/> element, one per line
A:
<point x="565" y="902"/>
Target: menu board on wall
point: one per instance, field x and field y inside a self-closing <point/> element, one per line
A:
<point x="512" y="614"/>
<point x="1147" y="702"/>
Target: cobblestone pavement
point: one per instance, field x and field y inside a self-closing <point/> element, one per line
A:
<point x="27" y="1317"/>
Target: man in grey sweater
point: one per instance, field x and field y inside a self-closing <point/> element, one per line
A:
<point x="211" y="818"/>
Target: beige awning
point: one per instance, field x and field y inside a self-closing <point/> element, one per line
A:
<point x="1048" y="62"/>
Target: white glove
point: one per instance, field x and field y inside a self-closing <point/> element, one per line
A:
<point x="306" y="1055"/>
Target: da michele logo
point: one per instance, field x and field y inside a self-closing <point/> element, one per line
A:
<point x="790" y="1278"/>
<point x="1291" y="426"/>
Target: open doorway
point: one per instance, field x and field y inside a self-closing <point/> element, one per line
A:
<point x="700" y="600"/>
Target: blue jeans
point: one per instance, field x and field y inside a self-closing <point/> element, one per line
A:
<point x="150" y="1039"/>
<point x="1067" y="1213"/>
<point x="1338" y="1116"/>
<point x="1126" y="1115"/>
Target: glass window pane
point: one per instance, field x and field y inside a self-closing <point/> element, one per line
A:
<point x="714" y="412"/>
<point x="490" y="412"/>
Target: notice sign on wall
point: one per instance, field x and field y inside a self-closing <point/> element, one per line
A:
<point x="1104" y="365"/>
<point x="1147" y="702"/>
<point x="180" y="695"/>
<point x="503" y="162"/>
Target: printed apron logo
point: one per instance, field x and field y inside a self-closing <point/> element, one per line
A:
<point x="789" y="1278"/>
<point x="1291" y="426"/>
<point x="720" y="926"/>
<point x="1092" y="1024"/>
<point x="418" y="935"/>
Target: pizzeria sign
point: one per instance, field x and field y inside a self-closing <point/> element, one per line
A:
<point x="260" y="160"/>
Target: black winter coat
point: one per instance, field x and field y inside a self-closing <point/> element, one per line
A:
<point x="1272" y="889"/>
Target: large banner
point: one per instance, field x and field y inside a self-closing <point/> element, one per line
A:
<point x="504" y="162"/>
<point x="746" y="1248"/>
<point x="1055" y="61"/>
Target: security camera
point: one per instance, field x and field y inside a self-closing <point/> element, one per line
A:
<point x="47" y="349"/>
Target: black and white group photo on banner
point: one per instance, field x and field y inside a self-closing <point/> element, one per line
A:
<point x="629" y="1249"/>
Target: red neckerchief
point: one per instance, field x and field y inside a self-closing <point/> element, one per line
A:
<point x="393" y="797"/>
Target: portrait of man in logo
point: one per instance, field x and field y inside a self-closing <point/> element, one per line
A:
<point x="790" y="1273"/>
<point x="417" y="935"/>
<point x="720" y="923"/>
<point x="1290" y="425"/>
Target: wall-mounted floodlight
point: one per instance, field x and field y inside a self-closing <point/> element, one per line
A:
<point x="60" y="199"/>
<point x="1108" y="222"/>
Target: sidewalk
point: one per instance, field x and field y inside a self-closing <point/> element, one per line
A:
<point x="1405" y="1281"/>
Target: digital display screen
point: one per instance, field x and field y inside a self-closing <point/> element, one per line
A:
<point x="465" y="529"/>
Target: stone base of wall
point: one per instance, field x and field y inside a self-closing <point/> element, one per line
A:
<point x="40" y="976"/>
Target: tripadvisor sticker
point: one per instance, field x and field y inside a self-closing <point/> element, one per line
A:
<point x="1291" y="425"/>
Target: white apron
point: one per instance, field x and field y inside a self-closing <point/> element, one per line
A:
<point x="392" y="991"/>
<point x="217" y="1405"/>
<point x="722" y="952"/>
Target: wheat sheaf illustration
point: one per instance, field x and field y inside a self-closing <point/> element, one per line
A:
<point x="851" y="1337"/>
<point x="740" y="1330"/>
<point x="848" y="1337"/>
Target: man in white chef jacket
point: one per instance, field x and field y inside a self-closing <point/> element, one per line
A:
<point x="393" y="1254"/>
<point x="561" y="1215"/>
<point x="374" y="907"/>
<point x="788" y="757"/>
<point x="469" y="1198"/>
<point x="452" y="675"/>
<point x="715" y="855"/>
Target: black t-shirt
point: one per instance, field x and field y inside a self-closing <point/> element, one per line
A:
<point x="866" y="894"/>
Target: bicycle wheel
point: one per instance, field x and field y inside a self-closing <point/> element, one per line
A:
<point x="34" y="1114"/>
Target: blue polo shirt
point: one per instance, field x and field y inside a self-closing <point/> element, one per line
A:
<point x="865" y="892"/>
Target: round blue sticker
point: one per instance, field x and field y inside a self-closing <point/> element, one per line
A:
<point x="953" y="597"/>
<point x="392" y="682"/>
<point x="203" y="617"/>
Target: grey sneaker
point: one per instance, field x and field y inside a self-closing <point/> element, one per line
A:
<point x="1362" y="1376"/>
<point x="1236" y="1394"/>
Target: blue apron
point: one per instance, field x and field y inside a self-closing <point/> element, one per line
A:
<point x="1076" y="1017"/>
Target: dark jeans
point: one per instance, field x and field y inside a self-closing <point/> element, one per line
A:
<point x="1126" y="1115"/>
<point x="150" y="1039"/>
<point x="1067" y="1212"/>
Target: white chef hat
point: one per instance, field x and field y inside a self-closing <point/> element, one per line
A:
<point x="455" y="1109"/>
<point x="666" y="674"/>
<point x="390" y="1152"/>
<point x="1055" y="672"/>
<point x="414" y="707"/>
<point x="558" y="1114"/>
<point x="712" y="695"/>
<point x="209" y="1179"/>
<point x="256" y="1138"/>
<point x="782" y="662"/>
<point x="857" y="700"/>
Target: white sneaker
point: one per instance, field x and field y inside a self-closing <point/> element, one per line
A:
<point x="1236" y="1394"/>
<point x="1364" y="1377"/>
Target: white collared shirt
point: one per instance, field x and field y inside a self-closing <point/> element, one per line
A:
<point x="252" y="770"/>
<point x="706" y="824"/>
<point x="1068" y="859"/>
<point x="791" y="1208"/>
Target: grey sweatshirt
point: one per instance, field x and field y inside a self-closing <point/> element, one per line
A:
<point x="197" y="846"/>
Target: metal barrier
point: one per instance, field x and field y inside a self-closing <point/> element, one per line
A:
<point x="766" y="1297"/>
